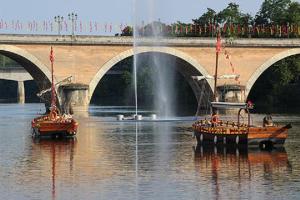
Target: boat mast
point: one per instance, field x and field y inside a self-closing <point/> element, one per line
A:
<point x="53" y="99"/>
<point x="218" y="49"/>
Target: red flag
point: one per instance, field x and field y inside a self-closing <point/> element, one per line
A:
<point x="51" y="55"/>
<point x="218" y="45"/>
<point x="53" y="98"/>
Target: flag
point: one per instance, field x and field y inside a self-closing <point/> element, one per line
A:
<point x="51" y="55"/>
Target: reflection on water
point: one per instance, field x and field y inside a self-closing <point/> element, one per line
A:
<point x="239" y="165"/>
<point x="55" y="149"/>
<point x="105" y="163"/>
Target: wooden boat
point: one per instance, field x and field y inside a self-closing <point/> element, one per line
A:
<point x="54" y="124"/>
<point x="216" y="131"/>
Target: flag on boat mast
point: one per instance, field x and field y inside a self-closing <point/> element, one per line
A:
<point x="51" y="55"/>
<point x="53" y="97"/>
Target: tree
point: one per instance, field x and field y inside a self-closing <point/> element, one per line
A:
<point x="293" y="13"/>
<point x="246" y="19"/>
<point x="156" y="28"/>
<point x="273" y="11"/>
<point x="127" y="31"/>
<point x="8" y="62"/>
<point x="230" y="15"/>
<point x="278" y="84"/>
<point x="206" y="18"/>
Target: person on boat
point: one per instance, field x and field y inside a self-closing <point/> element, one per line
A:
<point x="268" y="121"/>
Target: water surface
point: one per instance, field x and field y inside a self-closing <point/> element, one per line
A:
<point x="105" y="163"/>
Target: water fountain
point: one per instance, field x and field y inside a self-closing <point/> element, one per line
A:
<point x="163" y="76"/>
<point x="163" y="67"/>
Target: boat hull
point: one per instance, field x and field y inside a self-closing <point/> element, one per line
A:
<point x="273" y="134"/>
<point x="262" y="136"/>
<point x="54" y="128"/>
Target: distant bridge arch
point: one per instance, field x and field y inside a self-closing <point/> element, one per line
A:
<point x="199" y="69"/>
<point x="259" y="71"/>
<point x="31" y="64"/>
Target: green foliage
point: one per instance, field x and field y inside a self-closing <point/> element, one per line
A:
<point x="231" y="14"/>
<point x="293" y="13"/>
<point x="119" y="89"/>
<point x="7" y="62"/>
<point x="208" y="17"/>
<point x="155" y="28"/>
<point x="127" y="31"/>
<point x="278" y="87"/>
<point x="278" y="12"/>
<point x="276" y="18"/>
<point x="116" y="87"/>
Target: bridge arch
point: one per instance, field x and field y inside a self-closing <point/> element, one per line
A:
<point x="40" y="73"/>
<point x="268" y="64"/>
<point x="141" y="50"/>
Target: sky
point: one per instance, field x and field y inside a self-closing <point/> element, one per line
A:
<point x="115" y="12"/>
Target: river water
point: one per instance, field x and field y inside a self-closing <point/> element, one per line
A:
<point x="103" y="162"/>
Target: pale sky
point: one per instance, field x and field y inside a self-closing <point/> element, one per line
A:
<point x="116" y="11"/>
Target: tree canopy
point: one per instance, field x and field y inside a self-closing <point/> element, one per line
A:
<point x="275" y="18"/>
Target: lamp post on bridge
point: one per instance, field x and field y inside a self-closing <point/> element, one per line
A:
<point x="59" y="19"/>
<point x="73" y="17"/>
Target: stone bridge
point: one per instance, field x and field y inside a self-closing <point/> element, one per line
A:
<point x="88" y="58"/>
<point x="18" y="74"/>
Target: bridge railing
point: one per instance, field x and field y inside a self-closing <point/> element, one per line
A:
<point x="173" y="30"/>
<point x="227" y="30"/>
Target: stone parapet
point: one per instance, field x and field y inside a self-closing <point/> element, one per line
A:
<point x="146" y="41"/>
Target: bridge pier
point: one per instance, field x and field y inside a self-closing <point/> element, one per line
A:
<point x="21" y="92"/>
<point x="74" y="98"/>
<point x="231" y="93"/>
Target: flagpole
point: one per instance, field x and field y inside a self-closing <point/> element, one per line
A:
<point x="52" y="80"/>
<point x="218" y="48"/>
